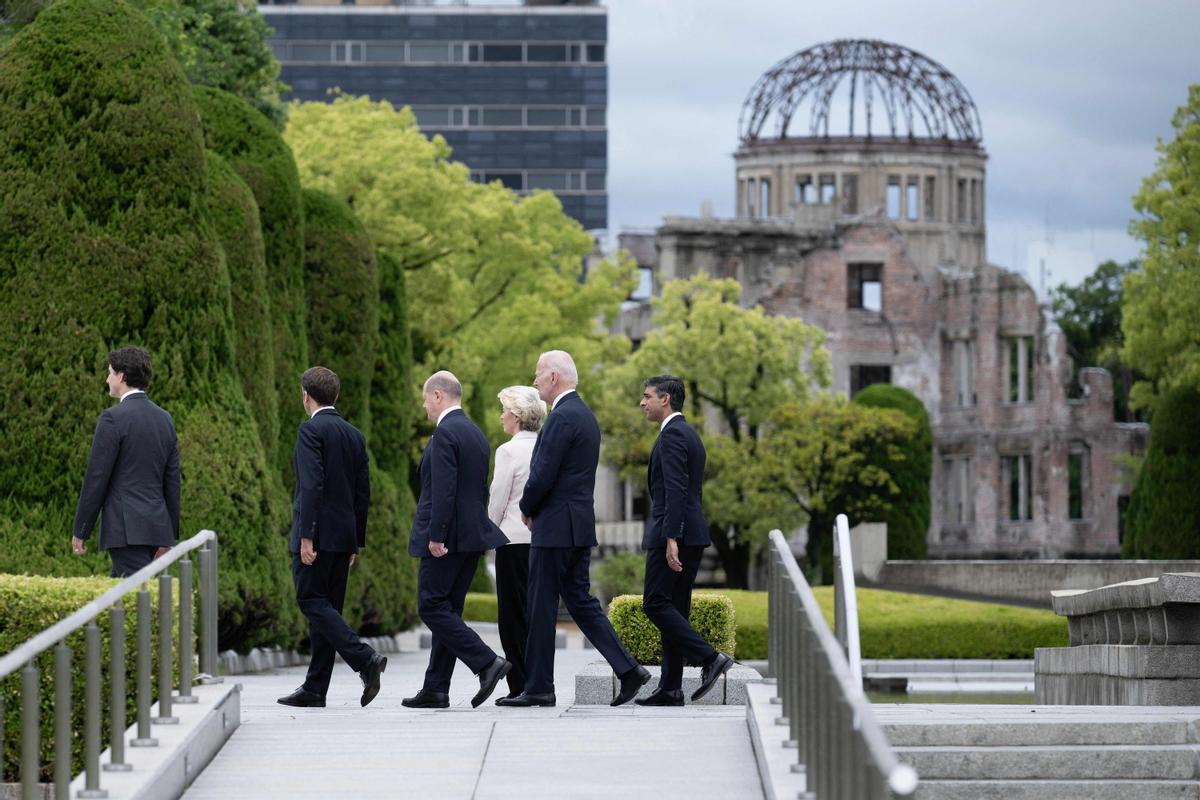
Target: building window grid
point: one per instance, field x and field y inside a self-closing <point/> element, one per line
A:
<point x="566" y="182"/>
<point x="436" y="53"/>
<point x="502" y="117"/>
<point x="1018" y="476"/>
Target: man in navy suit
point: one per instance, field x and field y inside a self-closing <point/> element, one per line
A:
<point x="674" y="541"/>
<point x="558" y="504"/>
<point x="132" y="472"/>
<point x="329" y="526"/>
<point x="450" y="532"/>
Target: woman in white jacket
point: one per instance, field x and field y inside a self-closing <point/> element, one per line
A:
<point x="522" y="413"/>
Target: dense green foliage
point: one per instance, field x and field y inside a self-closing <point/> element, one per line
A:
<point x="712" y="617"/>
<point x="908" y="517"/>
<point x="1163" y="518"/>
<point x="343" y="301"/>
<point x="899" y="625"/>
<point x="248" y="142"/>
<point x="29" y="605"/>
<point x="394" y="392"/>
<point x="481" y="607"/>
<point x="106" y="240"/>
<point x="1090" y="317"/>
<point x="1162" y="300"/>
<point x="235" y="221"/>
<point x="620" y="573"/>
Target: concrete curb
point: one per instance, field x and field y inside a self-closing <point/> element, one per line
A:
<point x="779" y="770"/>
<point x="263" y="658"/>
<point x="596" y="685"/>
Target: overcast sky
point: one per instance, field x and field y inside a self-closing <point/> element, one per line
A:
<point x="1072" y="95"/>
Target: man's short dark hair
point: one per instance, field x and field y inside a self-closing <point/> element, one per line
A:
<point x="668" y="385"/>
<point x="134" y="364"/>
<point x="322" y="385"/>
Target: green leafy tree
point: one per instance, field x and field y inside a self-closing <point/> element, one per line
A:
<point x="1161" y="312"/>
<point x="738" y="366"/>
<point x="106" y="240"/>
<point x="1090" y="317"/>
<point x="909" y="513"/>
<point x="1163" y="518"/>
<point x="492" y="278"/>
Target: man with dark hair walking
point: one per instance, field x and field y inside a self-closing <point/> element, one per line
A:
<point x="674" y="541"/>
<point x="132" y="472"/>
<point x="329" y="525"/>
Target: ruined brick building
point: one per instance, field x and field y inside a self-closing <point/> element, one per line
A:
<point x="876" y="233"/>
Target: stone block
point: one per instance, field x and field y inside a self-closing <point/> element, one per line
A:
<point x="596" y="684"/>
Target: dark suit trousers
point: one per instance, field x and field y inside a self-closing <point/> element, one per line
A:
<point x="321" y="592"/>
<point x="442" y="585"/>
<point x="667" y="601"/>
<point x="555" y="571"/>
<point x="131" y="558"/>
<point x="512" y="599"/>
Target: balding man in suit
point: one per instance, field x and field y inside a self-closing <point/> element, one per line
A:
<point x="559" y="506"/>
<point x="450" y="532"/>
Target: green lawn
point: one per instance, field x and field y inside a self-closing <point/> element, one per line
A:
<point x="892" y="624"/>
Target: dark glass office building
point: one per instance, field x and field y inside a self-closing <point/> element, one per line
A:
<point x="520" y="91"/>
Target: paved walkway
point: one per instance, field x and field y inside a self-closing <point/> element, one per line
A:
<point x="389" y="751"/>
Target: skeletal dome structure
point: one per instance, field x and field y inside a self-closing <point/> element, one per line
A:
<point x="859" y="128"/>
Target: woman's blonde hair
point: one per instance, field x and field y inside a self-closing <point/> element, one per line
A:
<point x="523" y="403"/>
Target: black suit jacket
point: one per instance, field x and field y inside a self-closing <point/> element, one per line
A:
<point x="133" y="474"/>
<point x="333" y="485"/>
<point x="454" y="491"/>
<point x="559" y="494"/>
<point x="676" y="480"/>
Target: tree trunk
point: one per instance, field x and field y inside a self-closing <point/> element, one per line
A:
<point x="735" y="558"/>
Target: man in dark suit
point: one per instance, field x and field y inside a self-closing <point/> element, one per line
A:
<point x="132" y="472"/>
<point x="558" y="502"/>
<point x="450" y="532"/>
<point x="674" y="541"/>
<point x="329" y="526"/>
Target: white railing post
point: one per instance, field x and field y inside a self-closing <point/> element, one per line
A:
<point x="846" y="598"/>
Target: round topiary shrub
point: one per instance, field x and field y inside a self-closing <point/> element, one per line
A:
<point x="254" y="149"/>
<point x="712" y="617"/>
<point x="105" y="240"/>
<point x="1163" y="518"/>
<point x="908" y="518"/>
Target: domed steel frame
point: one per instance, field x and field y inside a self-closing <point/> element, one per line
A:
<point x="921" y="98"/>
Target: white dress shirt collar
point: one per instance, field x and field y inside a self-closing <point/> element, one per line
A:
<point x="668" y="419"/>
<point x="130" y="392"/>
<point x="442" y="415"/>
<point x="525" y="435"/>
<point x="318" y="411"/>
<point x="554" y="405"/>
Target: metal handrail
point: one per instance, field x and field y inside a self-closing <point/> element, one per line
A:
<point x="831" y="723"/>
<point x="845" y="597"/>
<point x="24" y="657"/>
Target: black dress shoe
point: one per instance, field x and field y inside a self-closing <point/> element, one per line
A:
<point x="302" y="698"/>
<point x="370" y="677"/>
<point x="662" y="697"/>
<point x="509" y="696"/>
<point x="427" y="699"/>
<point x="631" y="682"/>
<point x="526" y="700"/>
<point x="709" y="674"/>
<point x="489" y="676"/>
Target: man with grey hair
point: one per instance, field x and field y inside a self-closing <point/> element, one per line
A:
<point x="558" y="506"/>
<point x="449" y="533"/>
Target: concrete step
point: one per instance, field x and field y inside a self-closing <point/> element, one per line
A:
<point x="1015" y="733"/>
<point x="1092" y="762"/>
<point x="1057" y="790"/>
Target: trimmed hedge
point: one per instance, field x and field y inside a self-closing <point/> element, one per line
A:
<point x="254" y="149"/>
<point x="29" y="605"/>
<point x="106" y="240"/>
<point x="900" y="625"/>
<point x="1163" y="518"/>
<point x="908" y="518"/>
<point x="235" y="220"/>
<point x="341" y="287"/>
<point x="480" y="607"/>
<point x="712" y="617"/>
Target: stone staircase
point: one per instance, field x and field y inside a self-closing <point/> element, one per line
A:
<point x="1047" y="752"/>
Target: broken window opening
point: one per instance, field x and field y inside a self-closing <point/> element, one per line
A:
<point x="828" y="189"/>
<point x="849" y="194"/>
<point x="864" y="286"/>
<point x="1016" y="471"/>
<point x="930" y="212"/>
<point x="893" y="197"/>
<point x="864" y="375"/>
